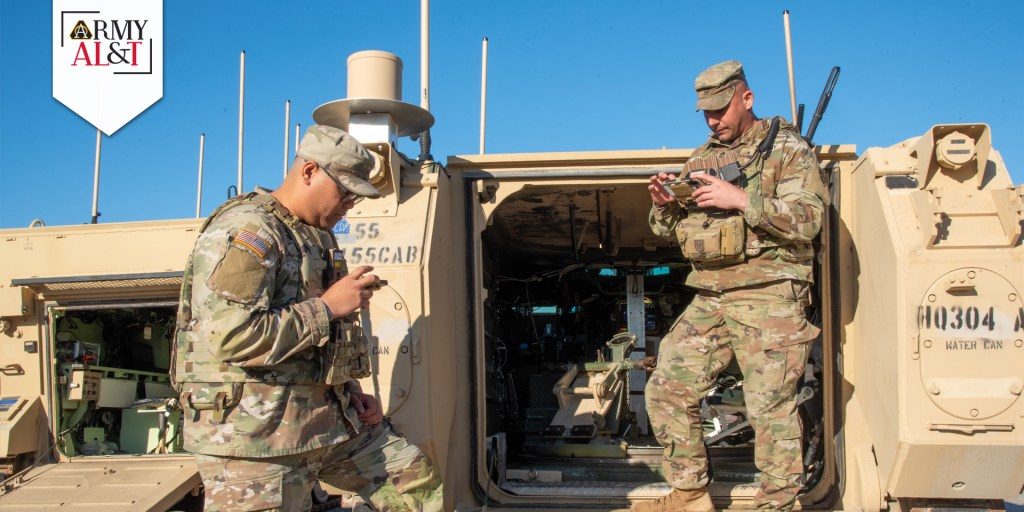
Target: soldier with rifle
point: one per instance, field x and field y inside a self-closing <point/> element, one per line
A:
<point x="745" y="213"/>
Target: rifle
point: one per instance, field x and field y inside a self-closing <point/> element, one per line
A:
<point x="819" y="111"/>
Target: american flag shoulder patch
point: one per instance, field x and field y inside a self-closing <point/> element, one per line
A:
<point x="252" y="242"/>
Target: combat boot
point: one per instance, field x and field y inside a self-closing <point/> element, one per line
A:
<point x="678" y="501"/>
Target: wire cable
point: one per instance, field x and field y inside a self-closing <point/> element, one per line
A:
<point x="40" y="458"/>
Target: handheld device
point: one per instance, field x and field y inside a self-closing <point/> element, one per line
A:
<point x="377" y="285"/>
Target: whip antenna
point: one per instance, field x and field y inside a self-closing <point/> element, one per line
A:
<point x="96" y="179"/>
<point x="199" y="187"/>
<point x="483" y="96"/>
<point x="241" y="117"/>
<point x="287" y="124"/>
<point x="789" y="65"/>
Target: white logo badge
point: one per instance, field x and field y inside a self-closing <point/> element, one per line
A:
<point x="108" y="58"/>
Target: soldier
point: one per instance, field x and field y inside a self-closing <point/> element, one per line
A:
<point x="750" y="244"/>
<point x="267" y="349"/>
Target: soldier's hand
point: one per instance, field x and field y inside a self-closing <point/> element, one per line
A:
<point x="658" y="194"/>
<point x="647" y="364"/>
<point x="718" y="193"/>
<point x="367" y="408"/>
<point x="350" y="293"/>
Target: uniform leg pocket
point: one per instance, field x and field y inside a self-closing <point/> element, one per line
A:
<point x="242" y="493"/>
<point x="774" y="325"/>
<point x="786" y="449"/>
<point x="243" y="484"/>
<point x="782" y="472"/>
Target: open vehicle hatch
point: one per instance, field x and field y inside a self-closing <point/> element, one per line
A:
<point x="104" y="485"/>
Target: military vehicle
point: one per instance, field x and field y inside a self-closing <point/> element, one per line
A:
<point x="522" y="288"/>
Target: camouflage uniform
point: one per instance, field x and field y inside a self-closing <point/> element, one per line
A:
<point x="263" y="380"/>
<point x="752" y="309"/>
<point x="377" y="463"/>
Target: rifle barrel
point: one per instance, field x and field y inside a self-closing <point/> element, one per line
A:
<point x="826" y="95"/>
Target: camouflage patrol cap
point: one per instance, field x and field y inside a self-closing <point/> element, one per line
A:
<point x="341" y="155"/>
<point x="716" y="84"/>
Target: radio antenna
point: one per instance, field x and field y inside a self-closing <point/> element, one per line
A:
<point x="483" y="96"/>
<point x="425" y="77"/>
<point x="425" y="54"/>
<point x="96" y="180"/>
<point x="241" y="117"/>
<point x="199" y="187"/>
<point x="287" y="124"/>
<point x="789" y="65"/>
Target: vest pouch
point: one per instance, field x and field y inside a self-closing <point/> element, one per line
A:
<point x="734" y="237"/>
<point x="721" y="242"/>
<point x="338" y="354"/>
<point x="704" y="246"/>
<point x="361" y="359"/>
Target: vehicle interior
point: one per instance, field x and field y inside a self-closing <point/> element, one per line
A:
<point x="111" y="366"/>
<point x="577" y="289"/>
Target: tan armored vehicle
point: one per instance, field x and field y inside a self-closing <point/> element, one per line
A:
<point x="521" y="289"/>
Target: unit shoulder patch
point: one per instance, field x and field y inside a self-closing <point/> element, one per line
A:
<point x="239" y="275"/>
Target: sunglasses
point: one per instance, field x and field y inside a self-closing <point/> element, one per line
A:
<point x="346" y="194"/>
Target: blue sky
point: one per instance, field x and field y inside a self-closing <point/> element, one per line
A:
<point x="564" y="75"/>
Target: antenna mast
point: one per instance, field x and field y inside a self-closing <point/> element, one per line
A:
<point x="424" y="137"/>
<point x="287" y="124"/>
<point x="789" y="65"/>
<point x="241" y="117"/>
<point x="199" y="187"/>
<point x="483" y="97"/>
<point x="96" y="180"/>
<point x="425" y="54"/>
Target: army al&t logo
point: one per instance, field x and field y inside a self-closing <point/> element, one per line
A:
<point x="108" y="58"/>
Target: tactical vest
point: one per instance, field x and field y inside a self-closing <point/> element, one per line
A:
<point x="343" y="358"/>
<point x="711" y="238"/>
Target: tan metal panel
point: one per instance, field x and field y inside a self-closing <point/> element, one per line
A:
<point x="105" y="485"/>
<point x="629" y="158"/>
<point x="20" y="425"/>
<point x="97" y="249"/>
<point x="963" y="470"/>
<point x="16" y="301"/>
<point x="932" y="279"/>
